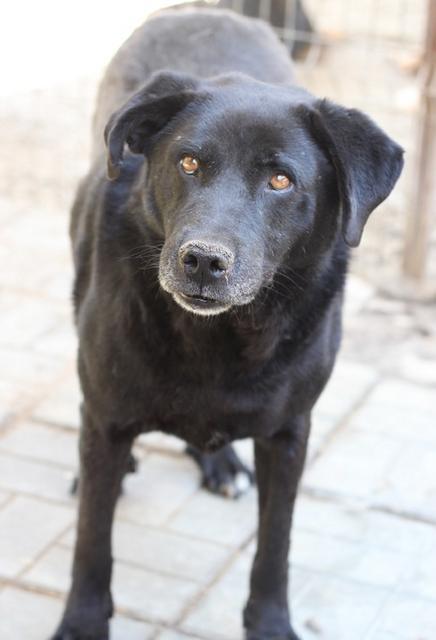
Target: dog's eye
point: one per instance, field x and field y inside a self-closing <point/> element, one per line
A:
<point x="279" y="181"/>
<point x="189" y="164"/>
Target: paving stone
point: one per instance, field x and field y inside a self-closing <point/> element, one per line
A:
<point x="355" y="464"/>
<point x="127" y="629"/>
<point x="410" y="484"/>
<point x="4" y="497"/>
<point x="162" y="442"/>
<point x="26" y="321"/>
<point x="29" y="370"/>
<point x="149" y="595"/>
<point x="52" y="571"/>
<point x="334" y="609"/>
<point x="27" y="616"/>
<point x="416" y="367"/>
<point x="219" y="613"/>
<point x="406" y="618"/>
<point x="350" y="381"/>
<point x="420" y="577"/>
<point x="358" y="292"/>
<point x="380" y="470"/>
<point x="166" y="552"/>
<point x="12" y="400"/>
<point x="348" y="521"/>
<point x="354" y="560"/>
<point x="161" y="551"/>
<point x="322" y="427"/>
<point x="35" y="478"/>
<point x="245" y="450"/>
<point x="62" y="407"/>
<point x="14" y="262"/>
<point x="59" y="285"/>
<point x="401" y="410"/>
<point x="59" y="341"/>
<point x="39" y="442"/>
<point x="26" y="527"/>
<point x="210" y="517"/>
<point x="166" y="443"/>
<point x="49" y="237"/>
<point x="159" y="488"/>
<point x="174" y="635"/>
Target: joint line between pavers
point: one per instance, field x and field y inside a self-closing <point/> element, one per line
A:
<point x="44" y="392"/>
<point x="162" y="628"/>
<point x="60" y="466"/>
<point x="402" y="514"/>
<point x="53" y="542"/>
<point x="18" y="583"/>
<point x="11" y="495"/>
<point x="215" y="579"/>
<point x="342" y="423"/>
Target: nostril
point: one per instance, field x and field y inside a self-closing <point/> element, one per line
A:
<point x="190" y="262"/>
<point x="218" y="266"/>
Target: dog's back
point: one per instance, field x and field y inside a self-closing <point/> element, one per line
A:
<point x="201" y="42"/>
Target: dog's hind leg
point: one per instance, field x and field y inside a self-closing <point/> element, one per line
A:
<point x="222" y="471"/>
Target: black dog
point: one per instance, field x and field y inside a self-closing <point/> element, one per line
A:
<point x="209" y="276"/>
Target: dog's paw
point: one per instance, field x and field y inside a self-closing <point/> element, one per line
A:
<point x="223" y="473"/>
<point x="71" y="630"/>
<point x="85" y="621"/>
<point x="290" y="635"/>
<point x="265" y="620"/>
<point x="273" y="632"/>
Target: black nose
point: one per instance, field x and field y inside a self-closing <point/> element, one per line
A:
<point x="205" y="262"/>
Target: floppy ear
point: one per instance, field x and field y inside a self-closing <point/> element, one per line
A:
<point x="367" y="162"/>
<point x="146" y="113"/>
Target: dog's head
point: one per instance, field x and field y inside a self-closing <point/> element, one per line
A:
<point x="243" y="177"/>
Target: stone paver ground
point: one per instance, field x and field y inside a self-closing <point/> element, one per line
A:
<point x="364" y="544"/>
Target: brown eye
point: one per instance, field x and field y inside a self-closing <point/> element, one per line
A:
<point x="189" y="164"/>
<point x="279" y="181"/>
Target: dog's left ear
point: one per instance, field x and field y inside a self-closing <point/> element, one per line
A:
<point x="367" y="162"/>
<point x="146" y="113"/>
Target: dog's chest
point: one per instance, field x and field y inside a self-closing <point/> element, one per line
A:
<point x="209" y="397"/>
<point x="212" y="410"/>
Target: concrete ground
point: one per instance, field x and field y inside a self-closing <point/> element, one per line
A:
<point x="364" y="544"/>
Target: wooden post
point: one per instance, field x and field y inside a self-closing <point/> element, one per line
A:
<point x="422" y="215"/>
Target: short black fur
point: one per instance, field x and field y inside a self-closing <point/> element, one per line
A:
<point x="208" y="305"/>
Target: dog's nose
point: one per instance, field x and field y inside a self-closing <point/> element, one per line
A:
<point x="205" y="262"/>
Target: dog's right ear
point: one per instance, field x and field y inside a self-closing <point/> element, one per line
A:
<point x="145" y="114"/>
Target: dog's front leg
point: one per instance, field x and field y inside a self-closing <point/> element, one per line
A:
<point x="279" y="463"/>
<point x="103" y="459"/>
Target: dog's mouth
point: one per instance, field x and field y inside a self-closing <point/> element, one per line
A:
<point x="201" y="305"/>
